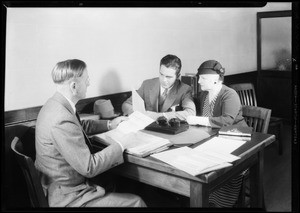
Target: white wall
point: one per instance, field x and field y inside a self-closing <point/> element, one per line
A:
<point x="121" y="46"/>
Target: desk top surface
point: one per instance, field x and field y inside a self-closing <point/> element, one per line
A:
<point x="258" y="141"/>
<point x="250" y="148"/>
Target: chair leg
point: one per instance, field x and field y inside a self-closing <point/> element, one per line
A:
<point x="242" y="196"/>
<point x="277" y="129"/>
<point x="247" y="196"/>
<point x="264" y="204"/>
<point x="244" y="192"/>
<point x="280" y="141"/>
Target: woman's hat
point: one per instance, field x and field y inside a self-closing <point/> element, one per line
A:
<point x="104" y="108"/>
<point x="211" y="67"/>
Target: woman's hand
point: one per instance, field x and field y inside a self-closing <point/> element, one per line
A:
<point x="192" y="120"/>
<point x="197" y="120"/>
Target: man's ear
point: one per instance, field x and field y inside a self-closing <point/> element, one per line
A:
<point x="73" y="87"/>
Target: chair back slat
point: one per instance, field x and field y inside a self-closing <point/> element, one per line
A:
<point x="254" y="102"/>
<point x="247" y="98"/>
<point x="257" y="117"/>
<point x="242" y="95"/>
<point x="256" y="124"/>
<point x="34" y="186"/>
<point x="246" y="93"/>
<point x="250" y="98"/>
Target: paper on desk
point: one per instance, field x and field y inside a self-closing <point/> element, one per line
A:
<point x="136" y="121"/>
<point x="220" y="145"/>
<point x="142" y="144"/>
<point x="195" y="162"/>
<point x="138" y="143"/>
<point x="137" y="102"/>
<point x="217" y="156"/>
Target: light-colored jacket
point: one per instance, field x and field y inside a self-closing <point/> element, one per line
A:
<point x="180" y="95"/>
<point x="63" y="158"/>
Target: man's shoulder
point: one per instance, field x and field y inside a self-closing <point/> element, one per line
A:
<point x="183" y="86"/>
<point x="149" y="83"/>
<point x="52" y="110"/>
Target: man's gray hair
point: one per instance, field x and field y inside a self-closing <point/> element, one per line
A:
<point x="65" y="70"/>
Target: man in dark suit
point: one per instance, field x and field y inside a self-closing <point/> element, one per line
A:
<point x="64" y="156"/>
<point x="166" y="95"/>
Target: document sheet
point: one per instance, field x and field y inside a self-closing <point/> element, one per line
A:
<point x="137" y="102"/>
<point x="195" y="162"/>
<point x="140" y="144"/>
<point x="136" y="121"/>
<point x="220" y="145"/>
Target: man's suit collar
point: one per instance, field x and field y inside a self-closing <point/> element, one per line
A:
<point x="61" y="99"/>
<point x="156" y="86"/>
<point x="171" y="96"/>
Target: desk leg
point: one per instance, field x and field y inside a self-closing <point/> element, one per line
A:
<point x="280" y="141"/>
<point x="198" y="194"/>
<point x="256" y="182"/>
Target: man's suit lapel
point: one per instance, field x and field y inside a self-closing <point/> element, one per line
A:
<point x="170" y="97"/>
<point x="154" y="94"/>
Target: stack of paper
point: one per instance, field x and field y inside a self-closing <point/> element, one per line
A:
<point x="139" y="143"/>
<point x="220" y="145"/>
<point x="195" y="162"/>
<point x="212" y="155"/>
<point x="142" y="144"/>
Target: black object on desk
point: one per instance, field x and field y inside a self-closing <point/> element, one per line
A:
<point x="173" y="126"/>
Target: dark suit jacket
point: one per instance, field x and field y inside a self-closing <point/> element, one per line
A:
<point x="180" y="95"/>
<point x="63" y="158"/>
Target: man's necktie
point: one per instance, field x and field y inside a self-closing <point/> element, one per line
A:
<point x="87" y="140"/>
<point x="163" y="98"/>
<point x="164" y="95"/>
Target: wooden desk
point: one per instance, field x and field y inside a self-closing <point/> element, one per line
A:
<point x="159" y="174"/>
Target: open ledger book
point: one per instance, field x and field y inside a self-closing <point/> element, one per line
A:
<point x="140" y="144"/>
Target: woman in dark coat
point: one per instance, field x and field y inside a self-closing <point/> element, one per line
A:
<point x="217" y="106"/>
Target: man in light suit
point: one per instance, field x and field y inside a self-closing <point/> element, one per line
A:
<point x="64" y="156"/>
<point x="166" y="95"/>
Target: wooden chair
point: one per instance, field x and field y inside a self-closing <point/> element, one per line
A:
<point x="34" y="186"/>
<point x="259" y="119"/>
<point x="247" y="95"/>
